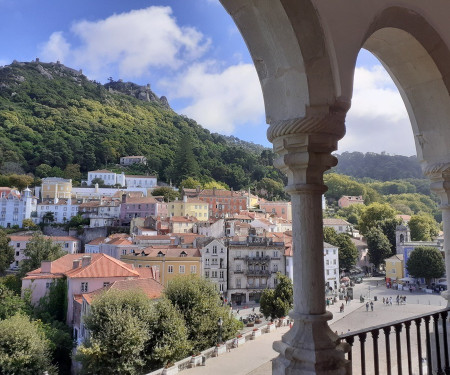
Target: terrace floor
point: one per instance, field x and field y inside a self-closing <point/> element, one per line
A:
<point x="254" y="358"/>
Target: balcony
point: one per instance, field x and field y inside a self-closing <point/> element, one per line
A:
<point x="238" y="271"/>
<point x="419" y="346"/>
<point x="257" y="259"/>
<point x="265" y="273"/>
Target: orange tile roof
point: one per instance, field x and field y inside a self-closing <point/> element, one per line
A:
<point x="101" y="265"/>
<point x="183" y="219"/>
<point x="143" y="200"/>
<point x="97" y="241"/>
<point x="151" y="288"/>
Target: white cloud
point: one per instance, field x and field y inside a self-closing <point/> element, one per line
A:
<point x="220" y="99"/>
<point x="135" y="41"/>
<point x="377" y="120"/>
<point x="56" y="48"/>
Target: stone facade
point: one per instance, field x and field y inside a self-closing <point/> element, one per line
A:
<point x="214" y="264"/>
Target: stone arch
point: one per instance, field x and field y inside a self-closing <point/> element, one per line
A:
<point x="418" y="60"/>
<point x="288" y="47"/>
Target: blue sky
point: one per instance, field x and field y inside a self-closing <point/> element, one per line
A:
<point x="191" y="52"/>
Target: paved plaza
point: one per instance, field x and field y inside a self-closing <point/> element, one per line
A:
<point x="254" y="358"/>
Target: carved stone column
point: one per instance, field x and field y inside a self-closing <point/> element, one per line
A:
<point x="304" y="147"/>
<point x="439" y="174"/>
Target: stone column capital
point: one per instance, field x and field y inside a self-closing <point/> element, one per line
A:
<point x="439" y="175"/>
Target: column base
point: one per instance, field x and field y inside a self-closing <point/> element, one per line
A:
<point x="311" y="348"/>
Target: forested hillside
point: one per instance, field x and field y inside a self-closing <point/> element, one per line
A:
<point x="51" y="115"/>
<point x="382" y="167"/>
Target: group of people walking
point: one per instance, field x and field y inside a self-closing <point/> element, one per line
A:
<point x="401" y="300"/>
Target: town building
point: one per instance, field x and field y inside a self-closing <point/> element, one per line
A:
<point x="348" y="200"/>
<point x="214" y="264"/>
<point x="69" y="244"/>
<point x="212" y="228"/>
<point x="170" y="262"/>
<point x="339" y="225"/>
<point x="133" y="207"/>
<point x="55" y="187"/>
<point x="182" y="224"/>
<point x="82" y="274"/>
<point x="108" y="177"/>
<point x="58" y="210"/>
<point x="277" y="208"/>
<point x="148" y="182"/>
<point x="130" y="160"/>
<point x="189" y="207"/>
<point x="222" y="203"/>
<point x="253" y="263"/>
<point x="363" y="261"/>
<point x="16" y="206"/>
<point x="394" y="268"/>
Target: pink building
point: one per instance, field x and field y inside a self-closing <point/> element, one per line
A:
<point x="278" y="209"/>
<point x="348" y="200"/>
<point x="133" y="207"/>
<point x="83" y="274"/>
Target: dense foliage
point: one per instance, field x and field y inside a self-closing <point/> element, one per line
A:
<point x="6" y="252"/>
<point x="378" y="245"/>
<point x="383" y="167"/>
<point x="276" y="303"/>
<point x="200" y="304"/>
<point x="347" y="251"/>
<point x="429" y="256"/>
<point x="54" y="121"/>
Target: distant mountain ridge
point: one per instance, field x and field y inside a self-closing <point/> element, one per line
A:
<point x="382" y="167"/>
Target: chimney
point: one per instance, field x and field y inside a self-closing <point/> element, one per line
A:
<point x="46" y="266"/>
<point x="184" y="198"/>
<point x="76" y="264"/>
<point x="85" y="260"/>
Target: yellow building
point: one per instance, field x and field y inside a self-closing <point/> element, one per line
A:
<point x="189" y="207"/>
<point x="394" y="267"/>
<point x="170" y="262"/>
<point x="56" y="187"/>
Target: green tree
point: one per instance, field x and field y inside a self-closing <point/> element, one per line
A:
<point x="119" y="329"/>
<point x="373" y="214"/>
<point x="277" y="302"/>
<point x="20" y="182"/>
<point x="378" y="245"/>
<point x="53" y="306"/>
<point x="189" y="183"/>
<point x="388" y="227"/>
<point x="29" y="224"/>
<point x="48" y="217"/>
<point x="43" y="170"/>
<point x="347" y="251"/>
<point x="200" y="304"/>
<point x="98" y="181"/>
<point x="184" y="163"/>
<point x="167" y="192"/>
<point x="270" y="188"/>
<point x="24" y="349"/>
<point x="6" y="252"/>
<point x="38" y="249"/>
<point x="429" y="256"/>
<point x="339" y="185"/>
<point x="11" y="303"/>
<point x="423" y="227"/>
<point x="72" y="171"/>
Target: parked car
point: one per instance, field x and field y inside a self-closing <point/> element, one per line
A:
<point x="358" y="280"/>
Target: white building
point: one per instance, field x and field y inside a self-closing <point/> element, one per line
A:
<point x="339" y="225"/>
<point x="214" y="264"/>
<point x="330" y="262"/>
<point x="15" y="207"/>
<point x="122" y="180"/>
<point x="129" y="160"/>
<point x="69" y="244"/>
<point x="62" y="209"/>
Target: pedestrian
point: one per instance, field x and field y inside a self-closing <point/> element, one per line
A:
<point x="237" y="312"/>
<point x="377" y="284"/>
<point x="367" y="306"/>
<point x="342" y="308"/>
<point x="404" y="300"/>
<point x="384" y="301"/>
<point x="253" y="310"/>
<point x="371" y="305"/>
<point x="398" y="299"/>
<point x="390" y="300"/>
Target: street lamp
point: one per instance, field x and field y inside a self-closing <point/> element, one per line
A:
<point x="219" y="324"/>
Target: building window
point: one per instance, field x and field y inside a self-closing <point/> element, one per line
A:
<point x="18" y="245"/>
<point x="393" y="270"/>
<point x="124" y="251"/>
<point x="47" y="285"/>
<point x="207" y="274"/>
<point x="214" y="250"/>
<point x="207" y="262"/>
<point x="106" y="283"/>
<point x="170" y="269"/>
<point x="238" y="267"/>
<point x="238" y="283"/>
<point x="193" y="269"/>
<point x="214" y="274"/>
<point x="221" y="274"/>
<point x="181" y="269"/>
<point x="84" y="287"/>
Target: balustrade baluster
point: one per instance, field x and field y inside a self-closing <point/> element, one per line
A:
<point x="398" y="330"/>
<point x="350" y="340"/>
<point x="408" y="346"/>
<point x="438" y="346"/>
<point x="419" y="344"/>
<point x="375" y="334"/>
<point x="362" y="340"/>
<point x="428" y="342"/>
<point x="444" y="315"/>
<point x="387" y="331"/>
